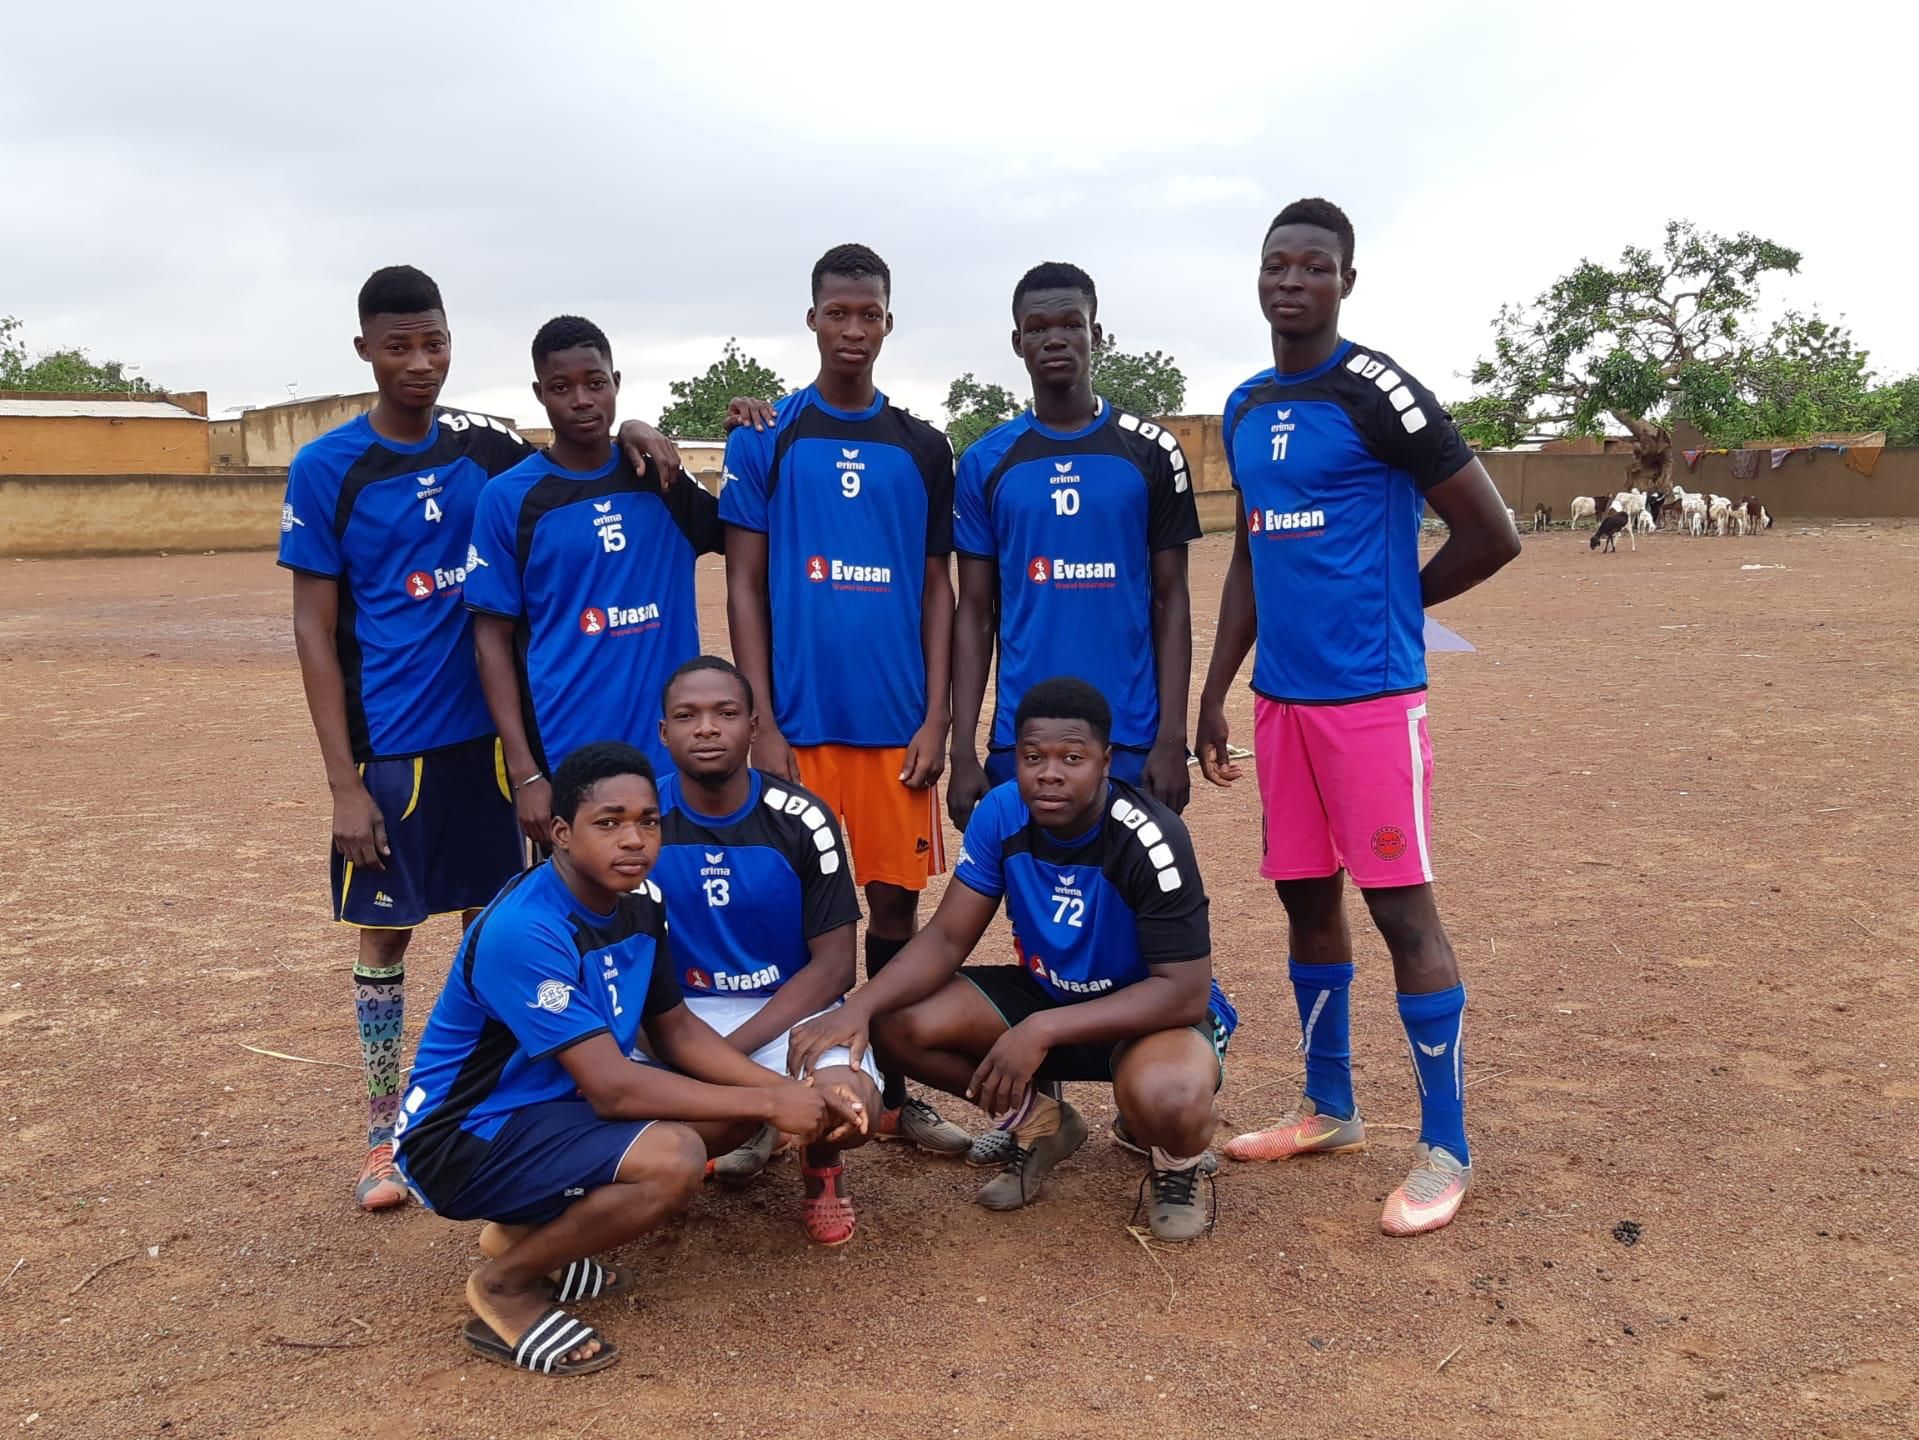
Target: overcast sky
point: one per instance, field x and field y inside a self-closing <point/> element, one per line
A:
<point x="201" y="190"/>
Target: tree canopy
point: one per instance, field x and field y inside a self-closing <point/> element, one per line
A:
<point x="1148" y="384"/>
<point x="60" y="369"/>
<point x="975" y="406"/>
<point x="699" y="404"/>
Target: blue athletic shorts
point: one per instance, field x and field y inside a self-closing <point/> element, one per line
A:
<point x="1127" y="765"/>
<point x="455" y="839"/>
<point x="544" y="1158"/>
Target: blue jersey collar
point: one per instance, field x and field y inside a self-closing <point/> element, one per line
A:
<point x="1340" y="352"/>
<point x="400" y="447"/>
<point x="1101" y="413"/>
<point x="565" y="474"/>
<point x="756" y="786"/>
<point x="879" y="404"/>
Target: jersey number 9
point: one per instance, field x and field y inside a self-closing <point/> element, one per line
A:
<point x="849" y="484"/>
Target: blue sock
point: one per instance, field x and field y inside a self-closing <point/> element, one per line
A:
<point x="1326" y="1034"/>
<point x="1435" y="1031"/>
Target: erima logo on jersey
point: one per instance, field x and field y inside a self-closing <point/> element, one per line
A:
<point x="603" y="506"/>
<point x="288" y="519"/>
<point x="820" y="568"/>
<point x="427" y="488"/>
<point x="1146" y="830"/>
<point x="850" y="461"/>
<point x="1277" y="522"/>
<point x="1410" y="415"/>
<point x="553" y="996"/>
<point x="425" y="584"/>
<point x="620" y="619"/>
<point x="1074" y="574"/>
<point x="813" y="818"/>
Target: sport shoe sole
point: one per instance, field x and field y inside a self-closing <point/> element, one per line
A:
<point x="1012" y="1188"/>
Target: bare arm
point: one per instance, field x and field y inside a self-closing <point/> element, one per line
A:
<point x="1480" y="538"/>
<point x="926" y="752"/>
<point x="500" y="680"/>
<point x="1238" y="627"/>
<point x="621" y="1089"/>
<point x="1168" y="779"/>
<point x="749" y="625"/>
<point x="972" y="658"/>
<point x="827" y="975"/>
<point x="359" y="829"/>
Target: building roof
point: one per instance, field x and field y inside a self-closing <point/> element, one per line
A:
<point x="96" y="410"/>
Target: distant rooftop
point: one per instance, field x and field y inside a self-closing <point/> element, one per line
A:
<point x="99" y="409"/>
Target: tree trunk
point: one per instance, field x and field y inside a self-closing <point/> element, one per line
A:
<point x="1651" y="452"/>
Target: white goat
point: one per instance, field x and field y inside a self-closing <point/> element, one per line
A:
<point x="1720" y="509"/>
<point x="1646" y="524"/>
<point x="1582" y="508"/>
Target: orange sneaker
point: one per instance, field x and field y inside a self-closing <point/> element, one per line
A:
<point x="828" y="1216"/>
<point x="1430" y="1196"/>
<point x="1304" y="1132"/>
<point x="380" y="1186"/>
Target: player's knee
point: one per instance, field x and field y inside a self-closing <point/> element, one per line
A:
<point x="1407" y="919"/>
<point x="1171" y="1107"/>
<point x="891" y="911"/>
<point x="666" y="1164"/>
<point x="383" y="948"/>
<point x="863" y="1089"/>
<point x="901" y="1032"/>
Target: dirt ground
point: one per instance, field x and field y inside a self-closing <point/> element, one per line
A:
<point x="1674" y="799"/>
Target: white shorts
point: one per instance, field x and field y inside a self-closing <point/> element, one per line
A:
<point x="726" y="1013"/>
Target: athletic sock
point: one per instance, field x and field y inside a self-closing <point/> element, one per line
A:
<point x="379" y="1000"/>
<point x="1037" y="1117"/>
<point x="880" y="949"/>
<point x="1163" y="1161"/>
<point x="1326" y="1034"/>
<point x="1435" y="1033"/>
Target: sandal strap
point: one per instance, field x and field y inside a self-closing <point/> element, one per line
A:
<point x="553" y="1335"/>
<point x="582" y="1280"/>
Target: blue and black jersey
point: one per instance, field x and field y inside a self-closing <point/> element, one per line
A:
<point x="750" y="889"/>
<point x="1091" y="914"/>
<point x="852" y="506"/>
<point x="1072" y="520"/>
<point x="392" y="524"/>
<point x="536" y="973"/>
<point x="1333" y="465"/>
<point x="596" y="569"/>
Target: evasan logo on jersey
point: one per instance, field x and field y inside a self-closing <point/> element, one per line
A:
<point x="847" y="576"/>
<point x="1287" y="524"/>
<point x="619" y="619"/>
<point x="1073" y="574"/>
<point x="425" y="584"/>
<point x="1072" y="987"/>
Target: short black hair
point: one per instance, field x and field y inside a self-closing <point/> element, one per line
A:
<point x="852" y="262"/>
<point x="1066" y="698"/>
<point x="1324" y="214"/>
<point x="1057" y="275"/>
<point x="588" y="766"/>
<point x="707" y="662"/>
<point x="569" y="332"/>
<point x="399" y="290"/>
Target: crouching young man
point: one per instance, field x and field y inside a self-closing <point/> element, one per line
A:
<point x="1115" y="980"/>
<point x="525" y="1109"/>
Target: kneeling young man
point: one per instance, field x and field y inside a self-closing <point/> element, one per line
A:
<point x="525" y="1109"/>
<point x="754" y="872"/>
<point x="1115" y="980"/>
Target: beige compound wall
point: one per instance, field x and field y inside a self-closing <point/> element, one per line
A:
<point x="44" y="515"/>
<point x="273" y="434"/>
<point x="100" y="445"/>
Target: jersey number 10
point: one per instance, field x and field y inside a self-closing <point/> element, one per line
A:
<point x="1066" y="502"/>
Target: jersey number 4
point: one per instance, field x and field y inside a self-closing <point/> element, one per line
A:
<point x="432" y="511"/>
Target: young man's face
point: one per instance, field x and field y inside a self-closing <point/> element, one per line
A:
<point x="1062" y="772"/>
<point x="708" y="729"/>
<point x="1056" y="336"/>
<point x="1302" y="279"/>
<point x="614" y="837"/>
<point x="579" y="389"/>
<point x="409" y="355"/>
<point x="851" y="321"/>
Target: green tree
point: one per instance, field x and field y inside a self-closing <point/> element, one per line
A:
<point x="60" y="369"/>
<point x="699" y="404"/>
<point x="1149" y="384"/>
<point x="1647" y="341"/>
<point x="973" y="407"/>
<point x="1894" y="409"/>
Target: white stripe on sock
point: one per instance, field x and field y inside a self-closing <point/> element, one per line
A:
<point x="1306" y="1041"/>
<point x="1459" y="1087"/>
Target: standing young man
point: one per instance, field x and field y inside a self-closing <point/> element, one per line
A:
<point x="763" y="912"/>
<point x="839" y="599"/>
<point x="376" y="529"/>
<point x="525" y="1109"/>
<point x="1072" y="522"/>
<point x="581" y="578"/>
<point x="1115" y="980"/>
<point x="1335" y="453"/>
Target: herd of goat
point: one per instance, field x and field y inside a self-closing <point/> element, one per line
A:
<point x="1642" y="511"/>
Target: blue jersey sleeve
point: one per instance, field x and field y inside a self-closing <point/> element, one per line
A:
<point x="749" y="463"/>
<point x="527" y="976"/>
<point x="307" y="539"/>
<point x="972" y="526"/>
<point x="980" y="859"/>
<point x="492" y="559"/>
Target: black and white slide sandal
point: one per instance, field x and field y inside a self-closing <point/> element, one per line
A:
<point x="544" y="1347"/>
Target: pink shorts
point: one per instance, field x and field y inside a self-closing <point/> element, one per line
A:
<point x="1345" y="786"/>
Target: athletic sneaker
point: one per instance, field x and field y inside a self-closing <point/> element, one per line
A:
<point x="1176" y="1213"/>
<point x="1304" y="1132"/>
<point x="1019" y="1181"/>
<point x="1122" y="1137"/>
<point x="921" y="1123"/>
<point x="1430" y="1196"/>
<point x="380" y="1186"/>
<point x="991" y="1148"/>
<point x="749" y="1159"/>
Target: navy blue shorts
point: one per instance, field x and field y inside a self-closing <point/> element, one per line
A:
<point x="1016" y="995"/>
<point x="454" y="836"/>
<point x="543" y="1159"/>
<point x="1127" y="765"/>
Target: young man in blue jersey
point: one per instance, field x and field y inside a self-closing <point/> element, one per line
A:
<point x="839" y="600"/>
<point x="1336" y="452"/>
<point x="581" y="578"/>
<point x="763" y="910"/>
<point x="525" y="1108"/>
<point x="376" y="529"/>
<point x="1072" y="522"/>
<point x="1115" y="982"/>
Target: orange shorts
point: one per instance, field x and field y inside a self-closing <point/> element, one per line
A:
<point x="893" y="832"/>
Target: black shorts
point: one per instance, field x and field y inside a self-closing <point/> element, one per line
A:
<point x="1015" y="994"/>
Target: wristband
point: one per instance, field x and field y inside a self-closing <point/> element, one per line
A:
<point x="520" y="785"/>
